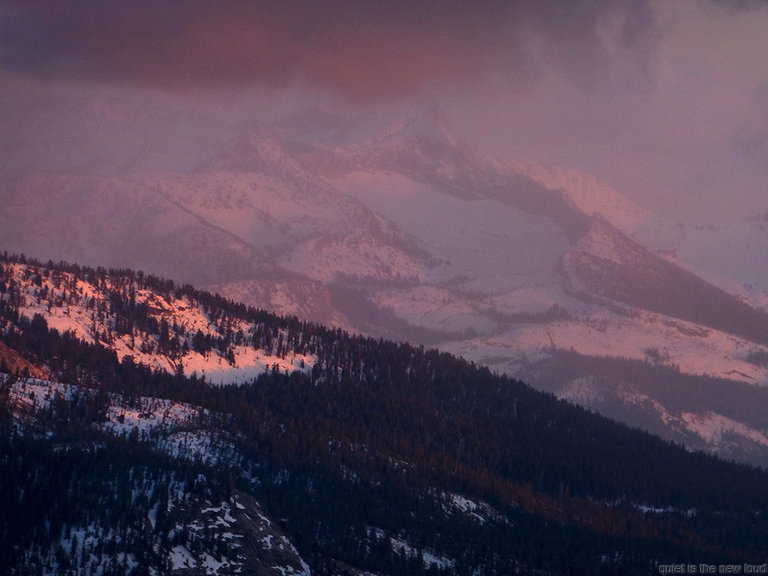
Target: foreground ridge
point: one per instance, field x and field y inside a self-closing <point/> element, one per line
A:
<point x="153" y="428"/>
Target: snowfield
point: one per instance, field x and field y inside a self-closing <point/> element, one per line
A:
<point x="76" y="306"/>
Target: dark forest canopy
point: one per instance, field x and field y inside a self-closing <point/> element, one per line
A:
<point x="375" y="430"/>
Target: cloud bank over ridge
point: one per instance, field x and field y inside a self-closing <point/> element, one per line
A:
<point x="666" y="102"/>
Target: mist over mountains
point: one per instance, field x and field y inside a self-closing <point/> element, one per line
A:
<point x="363" y="289"/>
<point x="402" y="230"/>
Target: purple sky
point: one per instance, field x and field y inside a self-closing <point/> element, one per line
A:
<point x="665" y="101"/>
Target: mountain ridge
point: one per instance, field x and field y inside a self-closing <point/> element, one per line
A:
<point x="409" y="233"/>
<point x="363" y="453"/>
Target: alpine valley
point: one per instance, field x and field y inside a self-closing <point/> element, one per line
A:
<point x="405" y="232"/>
<point x="147" y="427"/>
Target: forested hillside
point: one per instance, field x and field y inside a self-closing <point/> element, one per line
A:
<point x="324" y="453"/>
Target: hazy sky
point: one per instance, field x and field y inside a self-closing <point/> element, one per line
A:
<point x="666" y="101"/>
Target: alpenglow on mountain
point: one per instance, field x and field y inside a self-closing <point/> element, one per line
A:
<point x="149" y="427"/>
<point x="408" y="233"/>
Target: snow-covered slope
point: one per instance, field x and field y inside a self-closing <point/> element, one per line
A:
<point x="594" y="198"/>
<point x="730" y="256"/>
<point x="309" y="228"/>
<point x="407" y="232"/>
<point x="169" y="331"/>
<point x="733" y="257"/>
<point x="231" y="535"/>
<point x="117" y="222"/>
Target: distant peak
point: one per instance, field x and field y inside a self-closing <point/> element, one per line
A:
<point x="432" y="127"/>
<point x="432" y="122"/>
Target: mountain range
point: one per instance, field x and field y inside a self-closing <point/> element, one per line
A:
<point x="408" y="233"/>
<point x="148" y="427"/>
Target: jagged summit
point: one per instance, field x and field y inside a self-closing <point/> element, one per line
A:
<point x="433" y="122"/>
<point x="431" y="127"/>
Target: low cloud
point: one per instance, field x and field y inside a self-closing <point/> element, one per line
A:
<point x="664" y="101"/>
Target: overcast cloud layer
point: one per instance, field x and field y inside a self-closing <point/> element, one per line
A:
<point x="365" y="49"/>
<point x="665" y="101"/>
